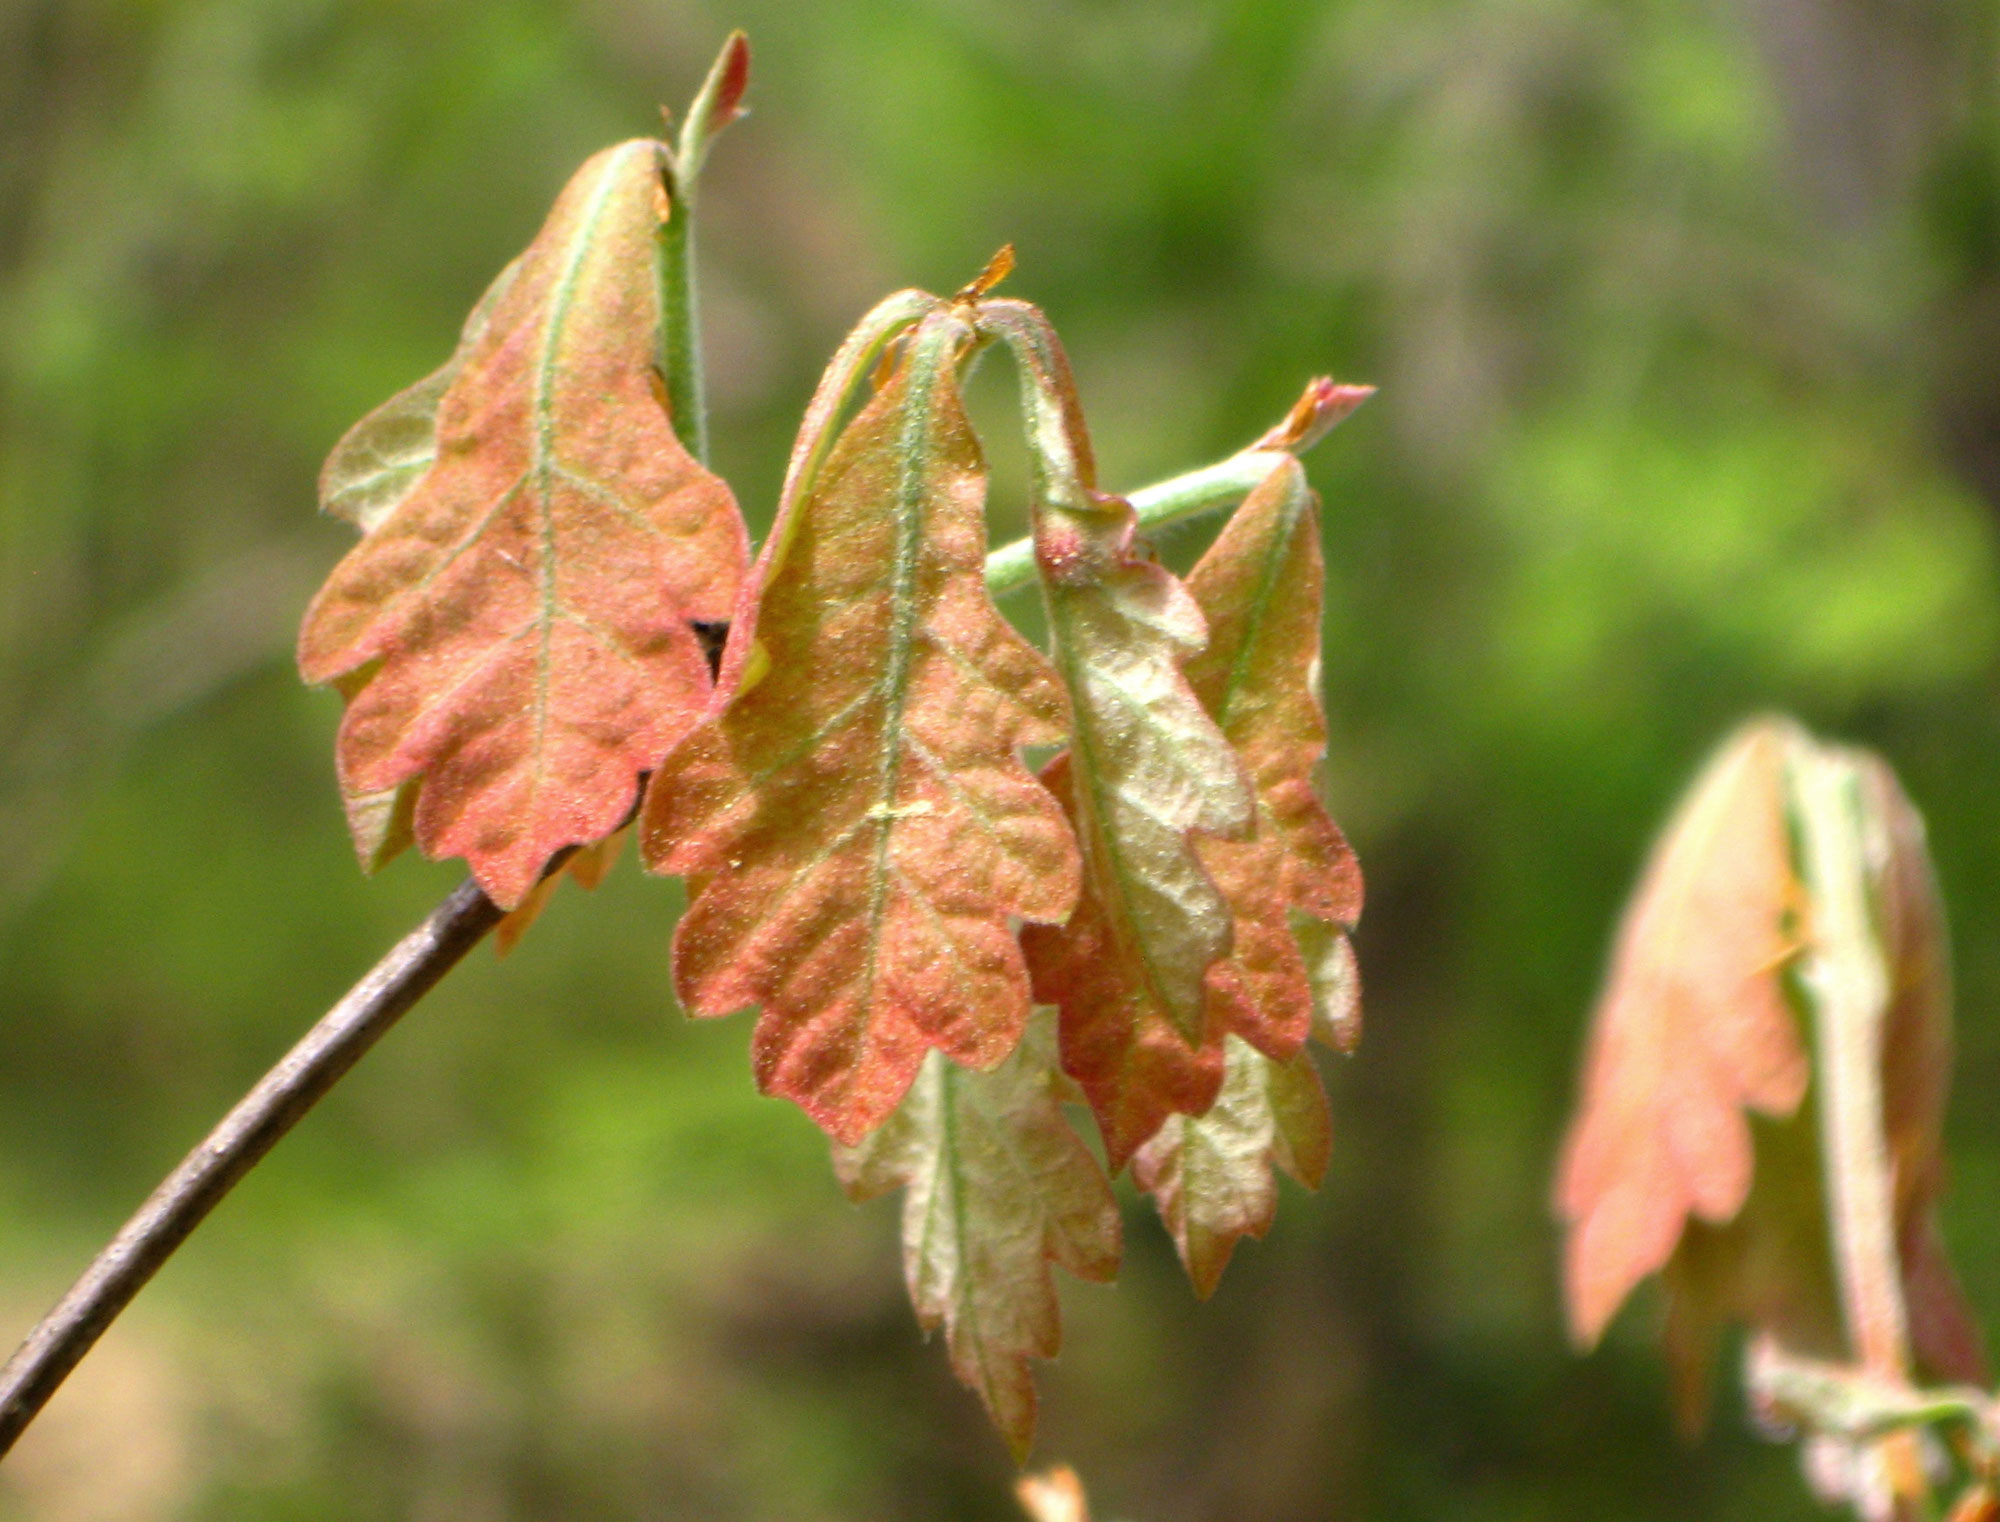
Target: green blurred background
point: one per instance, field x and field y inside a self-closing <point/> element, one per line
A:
<point x="1687" y="319"/>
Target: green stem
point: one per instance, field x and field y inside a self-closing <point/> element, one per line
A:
<point x="1221" y="485"/>
<point x="718" y="103"/>
<point x="680" y="331"/>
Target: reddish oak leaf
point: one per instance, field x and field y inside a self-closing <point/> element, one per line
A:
<point x="1146" y="768"/>
<point x="514" y="631"/>
<point x="1259" y="587"/>
<point x="858" y="810"/>
<point x="371" y="472"/>
<point x="1211" y="1174"/>
<point x="1692" y="1030"/>
<point x="996" y="1188"/>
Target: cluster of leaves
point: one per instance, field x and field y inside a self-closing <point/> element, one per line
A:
<point x="523" y="639"/>
<point x="1761" y="1115"/>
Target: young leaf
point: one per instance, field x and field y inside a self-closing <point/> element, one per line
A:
<point x="587" y="864"/>
<point x="858" y="809"/>
<point x="371" y="472"/>
<point x="1692" y="1030"/>
<point x="1211" y="1174"/>
<point x="996" y="1187"/>
<point x="1259" y="585"/>
<point x="1789" y="853"/>
<point x="1146" y="768"/>
<point x="518" y="623"/>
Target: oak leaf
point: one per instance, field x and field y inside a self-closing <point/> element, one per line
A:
<point x="1795" y="874"/>
<point x="1211" y="1174"/>
<point x="997" y="1186"/>
<point x="1692" y="1030"/>
<point x="513" y="633"/>
<point x="1145" y="769"/>
<point x="1260" y="587"/>
<point x="864" y="829"/>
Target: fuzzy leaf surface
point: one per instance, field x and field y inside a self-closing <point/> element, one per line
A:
<point x="866" y="832"/>
<point x="518" y="624"/>
<point x="371" y="472"/>
<point x="1212" y="1175"/>
<point x="1145" y="769"/>
<point x="1260" y="587"/>
<point x="997" y="1186"/>
<point x="1693" y="1029"/>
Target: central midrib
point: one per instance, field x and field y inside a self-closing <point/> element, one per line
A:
<point x="922" y="367"/>
<point x="544" y="465"/>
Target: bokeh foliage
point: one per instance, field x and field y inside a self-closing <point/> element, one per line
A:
<point x="1686" y="317"/>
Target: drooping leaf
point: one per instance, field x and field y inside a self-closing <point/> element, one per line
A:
<point x="1145" y="769"/>
<point x="1211" y="1174"/>
<point x="997" y="1186"/>
<point x="1916" y="1077"/>
<point x="519" y="622"/>
<point x="1829" y="1246"/>
<point x="858" y="809"/>
<point x="1259" y="586"/>
<point x="1693" y="1029"/>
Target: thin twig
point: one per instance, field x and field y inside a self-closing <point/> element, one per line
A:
<point x="246" y="1133"/>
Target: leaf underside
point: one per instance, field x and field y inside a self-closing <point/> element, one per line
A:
<point x="513" y="631"/>
<point x="1211" y="1175"/>
<point x="1294" y="889"/>
<point x="997" y="1186"/>
<point x="1146" y="768"/>
<point x="858" y="810"/>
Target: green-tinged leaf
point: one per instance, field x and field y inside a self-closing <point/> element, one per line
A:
<point x="519" y="623"/>
<point x="1146" y="768"/>
<point x="1211" y="1174"/>
<point x="379" y="461"/>
<point x="858" y="810"/>
<point x="1259" y="587"/>
<point x="371" y="472"/>
<point x="1334" y="975"/>
<point x="997" y="1186"/>
<point x="1877" y="976"/>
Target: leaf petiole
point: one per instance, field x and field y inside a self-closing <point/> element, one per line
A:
<point x="1210" y="488"/>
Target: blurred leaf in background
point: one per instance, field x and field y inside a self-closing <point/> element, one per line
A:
<point x="1686" y="317"/>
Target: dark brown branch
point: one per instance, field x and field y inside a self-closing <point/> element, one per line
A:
<point x="246" y="1133"/>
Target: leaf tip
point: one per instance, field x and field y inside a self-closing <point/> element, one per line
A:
<point x="732" y="73"/>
